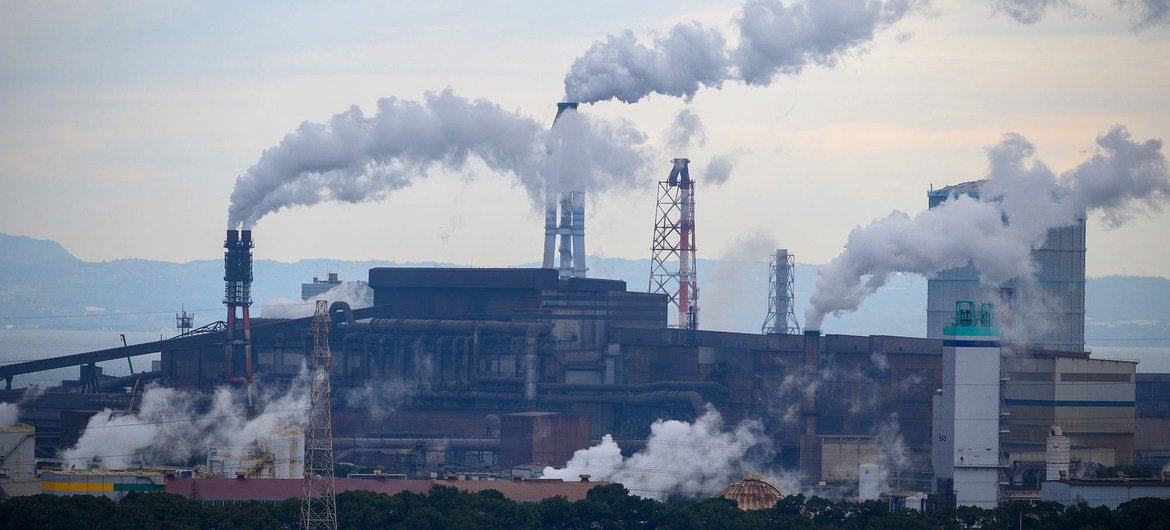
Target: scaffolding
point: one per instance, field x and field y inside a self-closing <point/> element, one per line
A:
<point x="781" y="288"/>
<point x="673" y="268"/>
<point x="319" y="498"/>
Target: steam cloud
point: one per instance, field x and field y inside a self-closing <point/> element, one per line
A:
<point x="685" y="132"/>
<point x="9" y="414"/>
<point x="774" y="39"/>
<point x="355" y="294"/>
<point x="1122" y="178"/>
<point x="357" y="158"/>
<point x="168" y="427"/>
<point x="680" y="457"/>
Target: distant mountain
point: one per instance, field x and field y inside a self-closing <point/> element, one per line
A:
<point x="21" y="250"/>
<point x="43" y="286"/>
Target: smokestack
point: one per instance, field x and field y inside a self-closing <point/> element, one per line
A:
<point x="566" y="232"/>
<point x="562" y="107"/>
<point x="571" y="205"/>
<point x="237" y="264"/>
<point x="550" y="230"/>
<point x="579" y="268"/>
<point x="812" y="355"/>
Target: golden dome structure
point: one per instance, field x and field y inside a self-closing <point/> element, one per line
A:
<point x="753" y="493"/>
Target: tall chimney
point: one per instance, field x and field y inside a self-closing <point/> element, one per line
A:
<point x="579" y="268"/>
<point x="565" y="230"/>
<point x="237" y="264"/>
<point x="550" y="230"/>
<point x="571" y="228"/>
<point x="812" y="355"/>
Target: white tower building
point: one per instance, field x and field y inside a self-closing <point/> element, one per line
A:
<point x="968" y="410"/>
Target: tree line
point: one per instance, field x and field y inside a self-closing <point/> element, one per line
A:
<point x="605" y="506"/>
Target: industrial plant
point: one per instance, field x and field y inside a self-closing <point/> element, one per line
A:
<point x="482" y="374"/>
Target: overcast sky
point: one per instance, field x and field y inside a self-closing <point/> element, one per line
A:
<point x="124" y="125"/>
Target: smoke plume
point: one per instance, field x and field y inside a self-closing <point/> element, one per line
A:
<point x="718" y="170"/>
<point x="171" y="427"/>
<point x="892" y="451"/>
<point x="698" y="458"/>
<point x="9" y="414"/>
<point x="357" y="158"/>
<point x="1123" y="177"/>
<point x="357" y="295"/>
<point x="775" y="39"/>
<point x="686" y="131"/>
<point x="376" y="400"/>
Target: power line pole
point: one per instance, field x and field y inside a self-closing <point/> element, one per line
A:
<point x="319" y="499"/>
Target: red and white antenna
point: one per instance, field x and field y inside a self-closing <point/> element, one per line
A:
<point x="673" y="269"/>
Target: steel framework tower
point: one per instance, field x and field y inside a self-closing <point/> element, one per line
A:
<point x="319" y="498"/>
<point x="781" y="272"/>
<point x="674" y="242"/>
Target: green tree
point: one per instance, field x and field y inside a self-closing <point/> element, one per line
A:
<point x="164" y="510"/>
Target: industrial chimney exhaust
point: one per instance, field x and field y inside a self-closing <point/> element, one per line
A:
<point x="569" y="208"/>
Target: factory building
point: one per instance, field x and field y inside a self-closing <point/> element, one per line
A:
<point x="112" y="484"/>
<point x="18" y="464"/>
<point x="281" y="456"/>
<point x="1152" y="425"/>
<point x="1048" y="313"/>
<point x="502" y="368"/>
<point x="1092" y="400"/>
<point x="359" y="289"/>
<point x="1109" y="493"/>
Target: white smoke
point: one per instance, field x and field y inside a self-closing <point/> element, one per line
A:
<point x="353" y="158"/>
<point x="170" y="427"/>
<point x="1122" y="178"/>
<point x="9" y="414"/>
<point x="777" y="39"/>
<point x="377" y="400"/>
<point x="718" y="170"/>
<point x="685" y="132"/>
<point x="583" y="153"/>
<point x="774" y="39"/>
<point x="699" y="458"/>
<point x="892" y="453"/>
<point x="356" y="294"/>
<point x="689" y="56"/>
<point x="357" y="158"/>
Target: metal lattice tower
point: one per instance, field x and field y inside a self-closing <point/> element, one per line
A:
<point x="781" y="272"/>
<point x="319" y="498"/>
<point x="673" y="269"/>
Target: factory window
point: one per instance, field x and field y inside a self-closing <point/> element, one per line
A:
<point x="1030" y="376"/>
<point x="1096" y="377"/>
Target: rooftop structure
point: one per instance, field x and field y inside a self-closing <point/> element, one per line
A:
<point x="753" y="493"/>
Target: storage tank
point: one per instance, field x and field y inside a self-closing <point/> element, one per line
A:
<point x="869" y="482"/>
